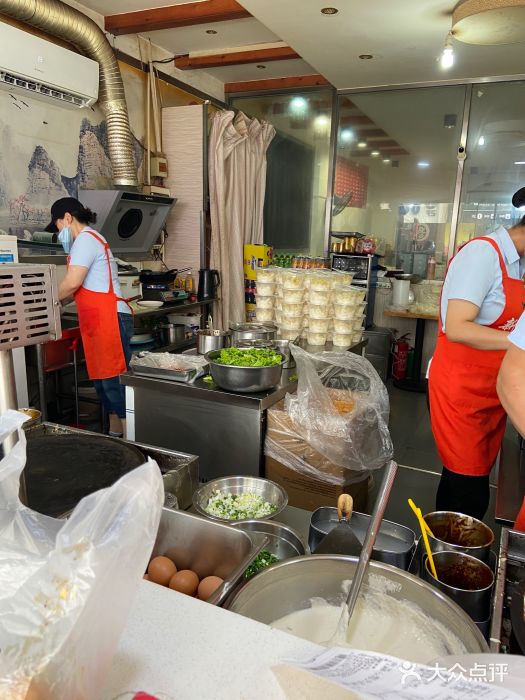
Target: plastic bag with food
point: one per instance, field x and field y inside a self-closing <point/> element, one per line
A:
<point x="66" y="586"/>
<point x="341" y="409"/>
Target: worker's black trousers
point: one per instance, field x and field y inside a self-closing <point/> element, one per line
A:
<point x="463" y="494"/>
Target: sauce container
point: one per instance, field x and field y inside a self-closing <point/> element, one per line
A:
<point x="465" y="579"/>
<point x="457" y="532"/>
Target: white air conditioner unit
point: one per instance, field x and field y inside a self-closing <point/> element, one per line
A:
<point x="40" y="69"/>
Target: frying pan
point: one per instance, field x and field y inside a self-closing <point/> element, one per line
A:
<point x="61" y="469"/>
<point x="162" y="277"/>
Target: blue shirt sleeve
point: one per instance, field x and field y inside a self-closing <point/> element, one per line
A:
<point x="84" y="250"/>
<point x="472" y="272"/>
<point x="517" y="337"/>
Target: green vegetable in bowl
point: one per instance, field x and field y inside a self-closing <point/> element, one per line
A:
<point x="261" y="561"/>
<point x="243" y="506"/>
<point x="252" y="357"/>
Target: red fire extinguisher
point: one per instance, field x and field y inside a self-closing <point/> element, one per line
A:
<point x="400" y="352"/>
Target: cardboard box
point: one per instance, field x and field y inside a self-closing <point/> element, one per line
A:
<point x="256" y="256"/>
<point x="310" y="494"/>
<point x="305" y="491"/>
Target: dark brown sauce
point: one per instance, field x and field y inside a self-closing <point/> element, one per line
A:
<point x="460" y="533"/>
<point x="468" y="577"/>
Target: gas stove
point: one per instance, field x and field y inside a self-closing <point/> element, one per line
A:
<point x="162" y="292"/>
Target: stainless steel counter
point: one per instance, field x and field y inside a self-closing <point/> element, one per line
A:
<point x="211" y="392"/>
<point x="225" y="429"/>
<point x="511" y="481"/>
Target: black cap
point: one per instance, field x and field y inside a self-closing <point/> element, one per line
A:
<point x="60" y="208"/>
<point x="518" y="198"/>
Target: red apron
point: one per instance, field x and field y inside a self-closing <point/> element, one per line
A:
<point x="468" y="420"/>
<point x="99" y="328"/>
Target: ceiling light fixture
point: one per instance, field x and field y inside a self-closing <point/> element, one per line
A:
<point x="261" y="67"/>
<point x="347" y="135"/>
<point x="298" y="104"/>
<point x="489" y="22"/>
<point x="423" y="164"/>
<point x="329" y="10"/>
<point x="447" y="56"/>
<point x="481" y="141"/>
<point x="211" y="31"/>
<point x="375" y="154"/>
<point x="362" y="144"/>
<point x="386" y="160"/>
<point x="366" y="56"/>
<point x="519" y="162"/>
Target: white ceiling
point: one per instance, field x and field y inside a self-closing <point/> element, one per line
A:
<point x="240" y="32"/>
<point x="406" y="36"/>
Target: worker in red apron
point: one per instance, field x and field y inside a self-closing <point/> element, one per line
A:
<point x="105" y="319"/>
<point x="482" y="299"/>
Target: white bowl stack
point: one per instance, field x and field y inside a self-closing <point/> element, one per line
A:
<point x="349" y="315"/>
<point x="318" y="305"/>
<point x="265" y="297"/>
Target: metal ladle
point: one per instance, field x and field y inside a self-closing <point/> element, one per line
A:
<point x="371" y="534"/>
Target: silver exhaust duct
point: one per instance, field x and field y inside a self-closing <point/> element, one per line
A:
<point x="70" y="25"/>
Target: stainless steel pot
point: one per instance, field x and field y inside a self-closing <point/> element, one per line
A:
<point x="252" y="331"/>
<point x="395" y="544"/>
<point x="283" y="346"/>
<point x="456" y="532"/>
<point x="290" y="585"/>
<point x="283" y="541"/>
<point x="171" y="333"/>
<point x="209" y="340"/>
<point x="245" y="380"/>
<point x="465" y="579"/>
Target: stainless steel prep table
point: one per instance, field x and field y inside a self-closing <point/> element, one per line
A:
<point x="225" y="429"/>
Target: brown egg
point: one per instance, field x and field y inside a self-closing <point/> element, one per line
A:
<point x="161" y="570"/>
<point x="146" y="577"/>
<point x="208" y="586"/>
<point x="185" y="581"/>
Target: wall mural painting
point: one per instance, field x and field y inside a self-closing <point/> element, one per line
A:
<point x="47" y="152"/>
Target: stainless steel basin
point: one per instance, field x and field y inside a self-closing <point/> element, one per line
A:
<point x="290" y="585"/>
<point x="206" y="547"/>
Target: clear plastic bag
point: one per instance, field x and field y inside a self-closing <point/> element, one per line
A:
<point x="341" y="409"/>
<point x="66" y="586"/>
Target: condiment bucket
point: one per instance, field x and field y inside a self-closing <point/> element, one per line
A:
<point x="208" y="340"/>
<point x="456" y="532"/>
<point x="465" y="579"/>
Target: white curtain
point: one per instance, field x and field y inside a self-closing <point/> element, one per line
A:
<point x="237" y="183"/>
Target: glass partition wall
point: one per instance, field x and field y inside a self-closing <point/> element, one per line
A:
<point x="394" y="168"/>
<point x="395" y="171"/>
<point x="297" y="167"/>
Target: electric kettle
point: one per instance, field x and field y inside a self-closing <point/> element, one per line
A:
<point x="209" y="280"/>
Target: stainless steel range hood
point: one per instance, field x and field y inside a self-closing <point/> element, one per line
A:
<point x="131" y="222"/>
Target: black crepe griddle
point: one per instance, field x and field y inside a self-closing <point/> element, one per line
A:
<point x="61" y="469"/>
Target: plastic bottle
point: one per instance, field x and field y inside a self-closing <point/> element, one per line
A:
<point x="431" y="268"/>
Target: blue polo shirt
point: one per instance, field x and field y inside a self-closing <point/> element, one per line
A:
<point x="475" y="275"/>
<point x="86" y="251"/>
<point x="517" y="337"/>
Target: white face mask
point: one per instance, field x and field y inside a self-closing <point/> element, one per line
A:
<point x="65" y="238"/>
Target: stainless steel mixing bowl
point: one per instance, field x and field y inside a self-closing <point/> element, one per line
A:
<point x="266" y="489"/>
<point x="245" y="380"/>
<point x="290" y="585"/>
<point x="283" y="541"/>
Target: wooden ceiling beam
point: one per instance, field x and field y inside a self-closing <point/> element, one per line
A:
<point x="236" y="58"/>
<point x="291" y="82"/>
<point x="173" y="16"/>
